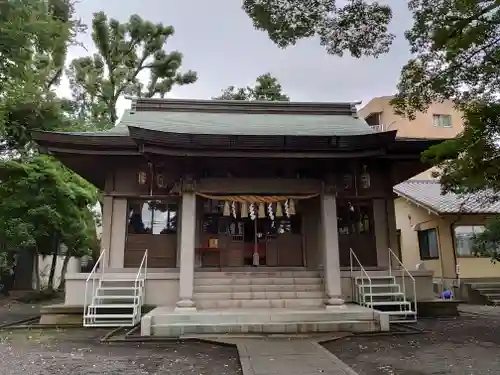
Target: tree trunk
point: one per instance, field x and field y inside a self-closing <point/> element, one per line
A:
<point x="64" y="269"/>
<point x="36" y="266"/>
<point x="53" y="265"/>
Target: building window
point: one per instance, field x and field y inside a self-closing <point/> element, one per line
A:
<point x="463" y="236"/>
<point x="428" y="244"/>
<point x="442" y="121"/>
<point x="152" y="217"/>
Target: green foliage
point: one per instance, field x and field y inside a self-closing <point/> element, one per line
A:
<point x="487" y="243"/>
<point x="471" y="162"/>
<point x="456" y="48"/>
<point x="34" y="37"/>
<point x="124" y="51"/>
<point x="42" y="200"/>
<point x="357" y="26"/>
<point x="266" y="87"/>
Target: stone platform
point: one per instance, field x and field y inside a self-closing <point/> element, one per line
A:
<point x="165" y="322"/>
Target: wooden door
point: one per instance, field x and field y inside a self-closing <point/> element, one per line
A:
<point x="356" y="231"/>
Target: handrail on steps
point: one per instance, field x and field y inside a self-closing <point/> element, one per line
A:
<point x="403" y="271"/>
<point x="92" y="275"/>
<point x="142" y="297"/>
<point x="352" y="255"/>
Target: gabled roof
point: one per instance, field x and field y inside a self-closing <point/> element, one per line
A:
<point x="243" y="118"/>
<point x="202" y="127"/>
<point x="274" y="124"/>
<point x="427" y="193"/>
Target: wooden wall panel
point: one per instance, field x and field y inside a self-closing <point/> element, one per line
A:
<point x="162" y="249"/>
<point x="290" y="250"/>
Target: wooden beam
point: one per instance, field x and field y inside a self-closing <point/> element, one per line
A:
<point x="57" y="150"/>
<point x="259" y="154"/>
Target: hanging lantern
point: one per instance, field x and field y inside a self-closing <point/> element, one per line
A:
<point x="287" y="209"/>
<point x="142" y="178"/>
<point x="233" y="208"/>
<point x="244" y="209"/>
<point x="292" y="207"/>
<point x="365" y="178"/>
<point x="226" y="211"/>
<point x="270" y="211"/>
<point x="279" y="210"/>
<point x="262" y="210"/>
<point x="252" y="211"/>
<point x="160" y="180"/>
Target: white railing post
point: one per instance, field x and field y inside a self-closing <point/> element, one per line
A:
<point x="92" y="276"/>
<point x="362" y="273"/>
<point x="140" y="287"/>
<point x="404" y="271"/>
<point x="390" y="264"/>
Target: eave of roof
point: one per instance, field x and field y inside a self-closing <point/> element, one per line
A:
<point x="261" y="142"/>
<point x="427" y="194"/>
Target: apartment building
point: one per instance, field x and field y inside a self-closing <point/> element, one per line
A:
<point x="441" y="120"/>
<point x="433" y="231"/>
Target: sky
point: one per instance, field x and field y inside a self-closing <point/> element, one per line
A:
<point x="219" y="42"/>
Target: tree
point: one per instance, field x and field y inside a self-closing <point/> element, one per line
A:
<point x="266" y="87"/>
<point x="456" y="47"/>
<point x="34" y="37"/>
<point x="44" y="204"/>
<point x="359" y="27"/>
<point x="125" y="50"/>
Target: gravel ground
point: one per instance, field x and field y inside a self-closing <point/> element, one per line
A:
<point x="77" y="351"/>
<point x="12" y="311"/>
<point x="468" y="345"/>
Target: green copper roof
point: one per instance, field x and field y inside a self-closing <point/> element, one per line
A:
<point x="243" y="123"/>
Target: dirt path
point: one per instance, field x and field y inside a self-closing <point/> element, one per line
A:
<point x="462" y="346"/>
<point x="76" y="351"/>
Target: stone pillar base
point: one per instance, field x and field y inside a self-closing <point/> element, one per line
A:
<point x="335" y="302"/>
<point x="185" y="305"/>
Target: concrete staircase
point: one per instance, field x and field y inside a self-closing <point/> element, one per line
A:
<point x="486" y="292"/>
<point x="258" y="289"/>
<point x="259" y="302"/>
<point x="165" y="322"/>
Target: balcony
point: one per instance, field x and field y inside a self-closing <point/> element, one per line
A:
<point x="378" y="128"/>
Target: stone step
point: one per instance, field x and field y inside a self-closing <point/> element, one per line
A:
<point x="258" y="288"/>
<point x="486" y="285"/>
<point x="259" y="303"/>
<point x="258" y="295"/>
<point x="489" y="291"/>
<point x="259" y="281"/>
<point x="262" y="315"/>
<point x="492" y="296"/>
<point x="255" y="274"/>
<point x="183" y="329"/>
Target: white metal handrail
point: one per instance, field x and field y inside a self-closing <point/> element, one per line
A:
<point x="352" y="256"/>
<point x="92" y="276"/>
<point x="404" y="271"/>
<point x="140" y="287"/>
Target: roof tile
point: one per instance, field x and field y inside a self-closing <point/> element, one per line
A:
<point x="428" y="194"/>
